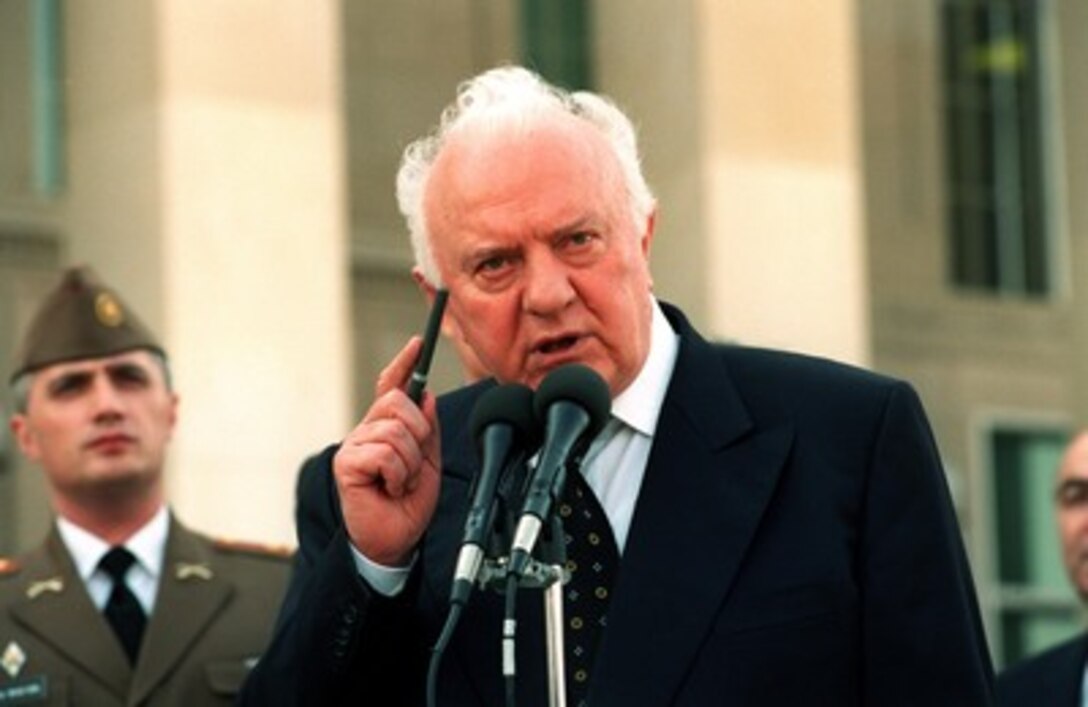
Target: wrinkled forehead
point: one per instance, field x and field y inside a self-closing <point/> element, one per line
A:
<point x="484" y="159"/>
<point x="480" y="146"/>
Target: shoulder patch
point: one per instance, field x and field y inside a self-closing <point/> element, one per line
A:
<point x="245" y="547"/>
<point x="9" y="567"/>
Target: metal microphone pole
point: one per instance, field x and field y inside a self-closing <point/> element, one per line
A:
<point x="548" y="574"/>
<point x="553" y="613"/>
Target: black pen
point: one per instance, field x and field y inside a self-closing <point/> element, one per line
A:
<point x="430" y="338"/>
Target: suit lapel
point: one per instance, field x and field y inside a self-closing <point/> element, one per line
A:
<point x="194" y="593"/>
<point x="710" y="476"/>
<point x="55" y="607"/>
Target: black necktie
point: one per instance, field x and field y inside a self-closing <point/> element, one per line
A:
<point x="593" y="561"/>
<point x="123" y="611"/>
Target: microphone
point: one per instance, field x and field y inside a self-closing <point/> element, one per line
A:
<point x="574" y="402"/>
<point x="506" y="429"/>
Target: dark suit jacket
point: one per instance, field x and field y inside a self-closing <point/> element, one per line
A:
<point x="213" y="615"/>
<point x="793" y="544"/>
<point x="1053" y="678"/>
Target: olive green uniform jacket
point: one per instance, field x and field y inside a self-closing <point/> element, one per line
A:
<point x="214" y="612"/>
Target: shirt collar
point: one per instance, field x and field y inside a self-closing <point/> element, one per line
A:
<point x="148" y="544"/>
<point x="639" y="405"/>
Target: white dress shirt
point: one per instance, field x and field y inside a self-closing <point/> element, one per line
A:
<point x="148" y="545"/>
<point x="615" y="462"/>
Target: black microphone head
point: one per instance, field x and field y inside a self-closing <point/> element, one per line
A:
<point x="510" y="403"/>
<point x="580" y="385"/>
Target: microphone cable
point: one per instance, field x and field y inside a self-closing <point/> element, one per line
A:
<point x="509" y="635"/>
<point x="505" y="426"/>
<point x="453" y="616"/>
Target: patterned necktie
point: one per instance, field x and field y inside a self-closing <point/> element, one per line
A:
<point x="593" y="561"/>
<point x="123" y="611"/>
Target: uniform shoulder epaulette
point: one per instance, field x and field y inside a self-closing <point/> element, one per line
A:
<point x="9" y="567"/>
<point x="245" y="547"/>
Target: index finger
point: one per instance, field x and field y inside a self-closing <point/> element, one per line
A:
<point x="396" y="374"/>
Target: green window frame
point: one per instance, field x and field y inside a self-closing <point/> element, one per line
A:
<point x="32" y="150"/>
<point x="556" y="41"/>
<point x="994" y="83"/>
<point x="1035" y="605"/>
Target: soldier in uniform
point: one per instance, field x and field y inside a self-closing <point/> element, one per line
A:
<point x="121" y="604"/>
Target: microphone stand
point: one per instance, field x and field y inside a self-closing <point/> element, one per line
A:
<point x="555" y="556"/>
<point x="550" y="574"/>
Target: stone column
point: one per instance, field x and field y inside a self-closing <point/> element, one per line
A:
<point x="782" y="179"/>
<point x="207" y="182"/>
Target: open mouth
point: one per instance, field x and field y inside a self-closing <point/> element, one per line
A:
<point x="558" y="345"/>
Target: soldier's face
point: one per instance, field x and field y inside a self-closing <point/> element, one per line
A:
<point x="98" y="425"/>
<point x="1072" y="510"/>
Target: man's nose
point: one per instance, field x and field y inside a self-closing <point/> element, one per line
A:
<point x="548" y="287"/>
<point x="106" y="400"/>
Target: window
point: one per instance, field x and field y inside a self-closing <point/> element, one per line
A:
<point x="556" y="41"/>
<point x="31" y="159"/>
<point x="994" y="73"/>
<point x="1036" y="606"/>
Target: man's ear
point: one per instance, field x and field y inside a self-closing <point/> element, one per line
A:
<point x="646" y="240"/>
<point x="23" y="436"/>
<point x="425" y="287"/>
<point x="648" y="234"/>
<point x="449" y="326"/>
<point x="174" y="400"/>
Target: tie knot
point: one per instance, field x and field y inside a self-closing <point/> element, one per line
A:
<point x="116" y="562"/>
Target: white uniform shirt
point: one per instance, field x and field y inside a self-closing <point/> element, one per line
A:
<point x="148" y="545"/>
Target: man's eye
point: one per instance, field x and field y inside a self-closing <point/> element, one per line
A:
<point x="580" y="244"/>
<point x="69" y="385"/>
<point x="1072" y="494"/>
<point x="576" y="241"/>
<point x="130" y="377"/>
<point x="492" y="264"/>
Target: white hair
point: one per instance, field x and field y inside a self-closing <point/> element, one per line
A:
<point x="512" y="95"/>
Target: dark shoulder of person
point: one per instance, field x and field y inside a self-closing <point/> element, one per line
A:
<point x="1059" y="668"/>
<point x="794" y="368"/>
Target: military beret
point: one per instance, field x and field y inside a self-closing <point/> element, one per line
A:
<point x="81" y="318"/>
